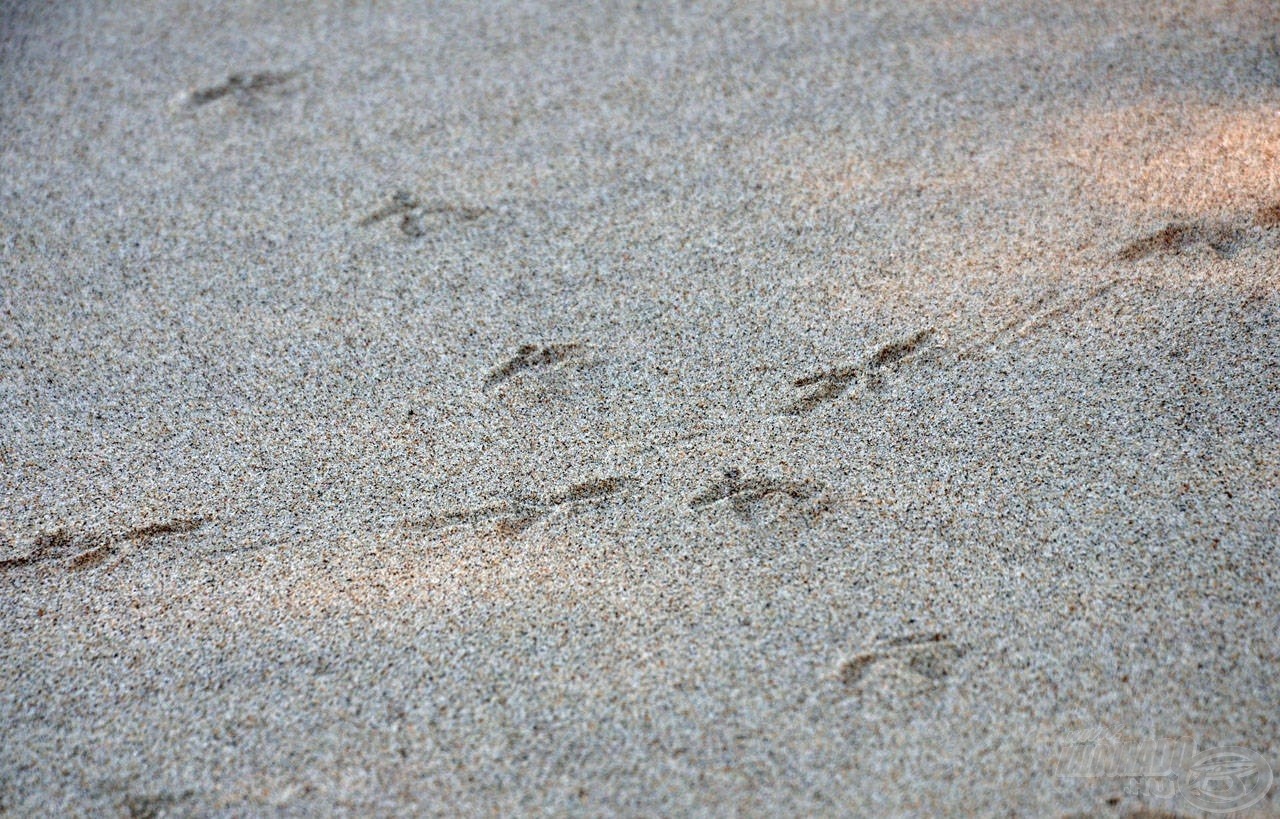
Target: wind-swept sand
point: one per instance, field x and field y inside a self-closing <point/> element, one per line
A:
<point x="748" y="408"/>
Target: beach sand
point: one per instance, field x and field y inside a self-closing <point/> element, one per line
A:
<point x="745" y="408"/>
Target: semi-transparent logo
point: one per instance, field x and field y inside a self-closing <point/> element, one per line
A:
<point x="1215" y="780"/>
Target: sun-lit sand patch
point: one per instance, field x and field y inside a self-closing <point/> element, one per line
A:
<point x="405" y="572"/>
<point x="1189" y="159"/>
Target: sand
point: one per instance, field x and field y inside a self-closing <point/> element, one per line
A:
<point x="744" y="408"/>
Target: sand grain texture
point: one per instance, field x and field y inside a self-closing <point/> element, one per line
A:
<point x="798" y="408"/>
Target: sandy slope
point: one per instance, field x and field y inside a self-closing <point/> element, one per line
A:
<point x="412" y="408"/>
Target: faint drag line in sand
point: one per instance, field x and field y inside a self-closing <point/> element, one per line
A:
<point x="1226" y="238"/>
<point x="1045" y="310"/>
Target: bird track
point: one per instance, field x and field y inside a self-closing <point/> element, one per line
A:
<point x="86" y="550"/>
<point x="529" y="356"/>
<point x="741" y="492"/>
<point x="830" y="385"/>
<point x="241" y="86"/>
<point x="925" y="655"/>
<point x="1226" y="238"/>
<point x="513" y="515"/>
<point x="414" y="213"/>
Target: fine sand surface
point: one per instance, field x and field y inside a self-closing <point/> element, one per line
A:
<point x="491" y="407"/>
